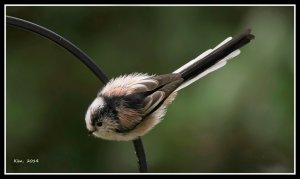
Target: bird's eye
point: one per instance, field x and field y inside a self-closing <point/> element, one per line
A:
<point x="99" y="124"/>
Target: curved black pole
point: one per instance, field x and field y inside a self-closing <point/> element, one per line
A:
<point x="140" y="153"/>
<point x="84" y="58"/>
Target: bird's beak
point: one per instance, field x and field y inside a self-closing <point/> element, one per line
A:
<point x="91" y="132"/>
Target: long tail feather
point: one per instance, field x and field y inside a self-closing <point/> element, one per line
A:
<point x="213" y="59"/>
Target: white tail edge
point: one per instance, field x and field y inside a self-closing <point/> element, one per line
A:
<point x="218" y="65"/>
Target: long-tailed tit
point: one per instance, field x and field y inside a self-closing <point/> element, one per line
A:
<point x="129" y="106"/>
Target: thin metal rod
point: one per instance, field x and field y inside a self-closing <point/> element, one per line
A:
<point x="140" y="153"/>
<point x="85" y="59"/>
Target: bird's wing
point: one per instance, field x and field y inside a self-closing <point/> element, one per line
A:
<point x="157" y="89"/>
<point x="152" y="83"/>
<point x="155" y="100"/>
<point x="148" y="96"/>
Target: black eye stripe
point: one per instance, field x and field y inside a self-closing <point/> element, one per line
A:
<point x="109" y="110"/>
<point x="101" y="113"/>
<point x="95" y="115"/>
<point x="99" y="124"/>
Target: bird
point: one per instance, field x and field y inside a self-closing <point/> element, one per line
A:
<point x="129" y="106"/>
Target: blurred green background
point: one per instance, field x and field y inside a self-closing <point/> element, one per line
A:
<point x="237" y="119"/>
